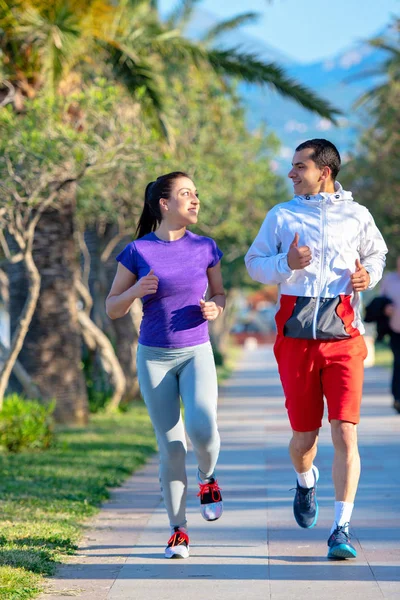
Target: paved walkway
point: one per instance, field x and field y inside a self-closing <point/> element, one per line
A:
<point x="255" y="551"/>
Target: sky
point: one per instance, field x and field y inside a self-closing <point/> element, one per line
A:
<point x="306" y="30"/>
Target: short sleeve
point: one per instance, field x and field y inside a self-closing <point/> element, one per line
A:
<point x="215" y="254"/>
<point x="128" y="258"/>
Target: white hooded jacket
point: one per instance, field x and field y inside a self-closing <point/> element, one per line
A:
<point x="338" y="230"/>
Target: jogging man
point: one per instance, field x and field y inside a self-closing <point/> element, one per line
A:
<point x="322" y="249"/>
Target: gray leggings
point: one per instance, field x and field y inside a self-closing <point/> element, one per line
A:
<point x="165" y="375"/>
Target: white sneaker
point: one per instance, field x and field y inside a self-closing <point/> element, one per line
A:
<point x="178" y="544"/>
<point x="211" y="505"/>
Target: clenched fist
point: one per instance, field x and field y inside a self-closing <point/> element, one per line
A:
<point x="298" y="258"/>
<point x="360" y="279"/>
<point x="146" y="285"/>
<point x="209" y="310"/>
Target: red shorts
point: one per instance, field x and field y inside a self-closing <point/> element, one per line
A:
<point x="312" y="369"/>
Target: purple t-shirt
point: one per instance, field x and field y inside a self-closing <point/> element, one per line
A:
<point x="172" y="317"/>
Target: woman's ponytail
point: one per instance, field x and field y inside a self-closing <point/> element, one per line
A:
<point x="151" y="215"/>
<point x="149" y="219"/>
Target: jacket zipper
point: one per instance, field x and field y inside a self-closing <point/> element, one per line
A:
<point x="321" y="267"/>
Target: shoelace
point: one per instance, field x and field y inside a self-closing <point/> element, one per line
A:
<point x="210" y="488"/>
<point x="304" y="497"/>
<point x="178" y="538"/>
<point x="342" y="530"/>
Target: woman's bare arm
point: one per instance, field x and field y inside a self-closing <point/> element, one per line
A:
<point x="215" y="305"/>
<point x="125" y="289"/>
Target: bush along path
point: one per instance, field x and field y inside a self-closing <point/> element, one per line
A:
<point x="46" y="496"/>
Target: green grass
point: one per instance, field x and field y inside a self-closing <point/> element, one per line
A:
<point x="383" y="355"/>
<point x="45" y="497"/>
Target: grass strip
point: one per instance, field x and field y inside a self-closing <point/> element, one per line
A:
<point x="45" y="497"/>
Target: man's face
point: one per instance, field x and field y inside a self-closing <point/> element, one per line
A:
<point x="305" y="174"/>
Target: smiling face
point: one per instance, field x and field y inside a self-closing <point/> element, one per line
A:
<point x="183" y="205"/>
<point x="307" y="178"/>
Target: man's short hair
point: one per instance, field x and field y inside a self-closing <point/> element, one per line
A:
<point x="325" y="154"/>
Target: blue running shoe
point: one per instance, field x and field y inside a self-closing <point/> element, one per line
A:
<point x="339" y="544"/>
<point x="305" y="505"/>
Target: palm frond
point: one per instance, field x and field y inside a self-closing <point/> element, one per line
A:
<point x="390" y="69"/>
<point x="229" y="25"/>
<point x="248" y="67"/>
<point x="376" y="72"/>
<point x="181" y="14"/>
<point x="383" y="45"/>
<point x="245" y="67"/>
<point x="138" y="77"/>
<point x="53" y="35"/>
<point x="371" y="95"/>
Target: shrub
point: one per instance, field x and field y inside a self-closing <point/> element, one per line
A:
<point x="26" y="424"/>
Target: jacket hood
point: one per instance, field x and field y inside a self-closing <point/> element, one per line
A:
<point x="337" y="196"/>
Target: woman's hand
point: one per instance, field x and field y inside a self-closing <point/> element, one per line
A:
<point x="146" y="285"/>
<point x="209" y="310"/>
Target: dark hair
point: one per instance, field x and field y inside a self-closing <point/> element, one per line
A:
<point x="160" y="188"/>
<point x="325" y="154"/>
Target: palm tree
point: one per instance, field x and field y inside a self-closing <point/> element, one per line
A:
<point x="45" y="44"/>
<point x="42" y="41"/>
<point x="389" y="69"/>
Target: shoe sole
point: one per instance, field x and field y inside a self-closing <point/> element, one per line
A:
<point x="313" y="524"/>
<point x="214" y="518"/>
<point x="179" y="552"/>
<point x="341" y="552"/>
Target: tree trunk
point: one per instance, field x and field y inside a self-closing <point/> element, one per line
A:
<point x="52" y="350"/>
<point x="31" y="390"/>
<point x="126" y="337"/>
<point x="24" y="322"/>
<point x="124" y="331"/>
<point x="97" y="340"/>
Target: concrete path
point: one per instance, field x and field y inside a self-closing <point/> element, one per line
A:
<point x="255" y="551"/>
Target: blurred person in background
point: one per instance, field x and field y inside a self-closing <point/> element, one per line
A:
<point x="390" y="288"/>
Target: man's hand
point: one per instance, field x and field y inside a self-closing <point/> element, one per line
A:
<point x="146" y="285"/>
<point x="209" y="310"/>
<point x="360" y="279"/>
<point x="298" y="258"/>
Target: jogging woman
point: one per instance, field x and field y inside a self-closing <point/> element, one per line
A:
<point x="177" y="275"/>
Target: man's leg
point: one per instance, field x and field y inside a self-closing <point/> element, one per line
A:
<point x="395" y="346"/>
<point x="342" y="379"/>
<point x="303" y="449"/>
<point x="346" y="462"/>
<point x="299" y="371"/>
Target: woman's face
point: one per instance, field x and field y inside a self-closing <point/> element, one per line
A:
<point x="183" y="205"/>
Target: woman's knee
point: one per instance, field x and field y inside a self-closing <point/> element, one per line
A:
<point x="173" y="452"/>
<point x="203" y="435"/>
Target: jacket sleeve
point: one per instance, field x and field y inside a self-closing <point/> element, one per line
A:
<point x="372" y="251"/>
<point x="264" y="260"/>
